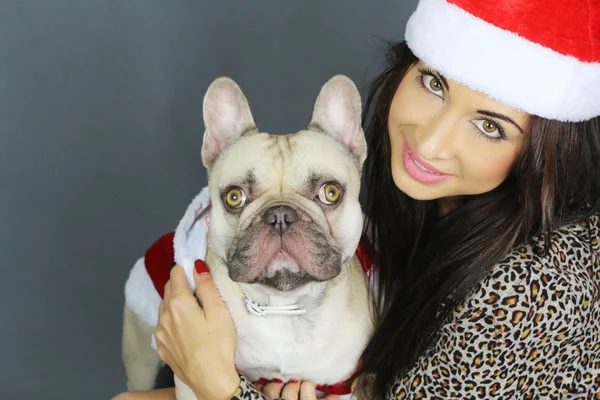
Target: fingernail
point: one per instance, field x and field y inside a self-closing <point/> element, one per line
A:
<point x="292" y="381"/>
<point x="201" y="267"/>
<point x="277" y="380"/>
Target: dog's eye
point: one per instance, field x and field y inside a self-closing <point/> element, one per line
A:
<point x="235" y="197"/>
<point x="329" y="193"/>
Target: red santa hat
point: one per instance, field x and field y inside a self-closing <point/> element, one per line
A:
<point x="538" y="56"/>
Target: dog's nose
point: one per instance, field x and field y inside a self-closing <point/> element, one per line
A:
<point x="280" y="218"/>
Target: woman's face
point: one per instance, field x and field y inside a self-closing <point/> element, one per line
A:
<point x="448" y="140"/>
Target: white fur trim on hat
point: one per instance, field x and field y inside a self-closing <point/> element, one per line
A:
<point x="516" y="72"/>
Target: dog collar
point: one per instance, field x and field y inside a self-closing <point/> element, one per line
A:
<point x="262" y="311"/>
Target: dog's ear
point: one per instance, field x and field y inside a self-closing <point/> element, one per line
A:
<point x="227" y="116"/>
<point x="337" y="112"/>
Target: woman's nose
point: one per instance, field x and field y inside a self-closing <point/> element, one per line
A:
<point x="436" y="138"/>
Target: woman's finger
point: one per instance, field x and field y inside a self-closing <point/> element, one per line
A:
<point x="291" y="391"/>
<point x="164" y="317"/>
<point x="160" y="349"/>
<point x="273" y="390"/>
<point x="308" y="391"/>
<point x="179" y="282"/>
<point x="167" y="292"/>
<point x="207" y="292"/>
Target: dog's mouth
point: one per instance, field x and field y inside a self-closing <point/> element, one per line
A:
<point x="284" y="273"/>
<point x="283" y="252"/>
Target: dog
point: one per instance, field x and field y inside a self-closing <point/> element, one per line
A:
<point x="284" y="221"/>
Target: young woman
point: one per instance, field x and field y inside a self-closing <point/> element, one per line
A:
<point x="483" y="181"/>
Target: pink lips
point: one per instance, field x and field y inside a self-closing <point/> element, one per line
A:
<point x="419" y="169"/>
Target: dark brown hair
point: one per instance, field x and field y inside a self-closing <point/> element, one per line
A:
<point x="428" y="264"/>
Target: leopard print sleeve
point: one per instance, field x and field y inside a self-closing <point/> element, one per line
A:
<point x="247" y="391"/>
<point x="528" y="331"/>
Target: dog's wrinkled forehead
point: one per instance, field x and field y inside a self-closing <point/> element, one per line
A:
<point x="294" y="163"/>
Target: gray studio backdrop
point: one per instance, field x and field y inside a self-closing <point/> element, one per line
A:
<point x="100" y="136"/>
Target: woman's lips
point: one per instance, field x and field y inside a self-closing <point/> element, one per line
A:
<point x="419" y="169"/>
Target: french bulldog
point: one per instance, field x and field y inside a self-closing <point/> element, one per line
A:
<point x="285" y="222"/>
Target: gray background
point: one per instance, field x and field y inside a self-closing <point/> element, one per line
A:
<point x="100" y="135"/>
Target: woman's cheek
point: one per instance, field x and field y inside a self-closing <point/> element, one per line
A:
<point x="488" y="170"/>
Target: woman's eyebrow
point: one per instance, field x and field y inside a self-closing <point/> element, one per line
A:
<point x="500" y="116"/>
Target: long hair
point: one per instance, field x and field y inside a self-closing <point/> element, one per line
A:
<point x="427" y="264"/>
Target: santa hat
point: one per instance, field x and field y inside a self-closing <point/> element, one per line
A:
<point x="538" y="56"/>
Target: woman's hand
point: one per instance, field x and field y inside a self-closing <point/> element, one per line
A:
<point x="292" y="390"/>
<point x="198" y="343"/>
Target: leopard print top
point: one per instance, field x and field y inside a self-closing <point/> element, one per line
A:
<point x="530" y="330"/>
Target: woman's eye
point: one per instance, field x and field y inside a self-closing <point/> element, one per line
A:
<point x="433" y="84"/>
<point x="489" y="128"/>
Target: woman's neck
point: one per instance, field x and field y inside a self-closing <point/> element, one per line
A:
<point x="448" y="204"/>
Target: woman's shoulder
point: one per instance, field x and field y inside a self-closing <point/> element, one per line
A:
<point x="545" y="281"/>
<point x="568" y="259"/>
<point x="557" y="280"/>
<point x="531" y="326"/>
<point x="546" y="292"/>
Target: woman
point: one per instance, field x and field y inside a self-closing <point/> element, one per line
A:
<point x="483" y="181"/>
